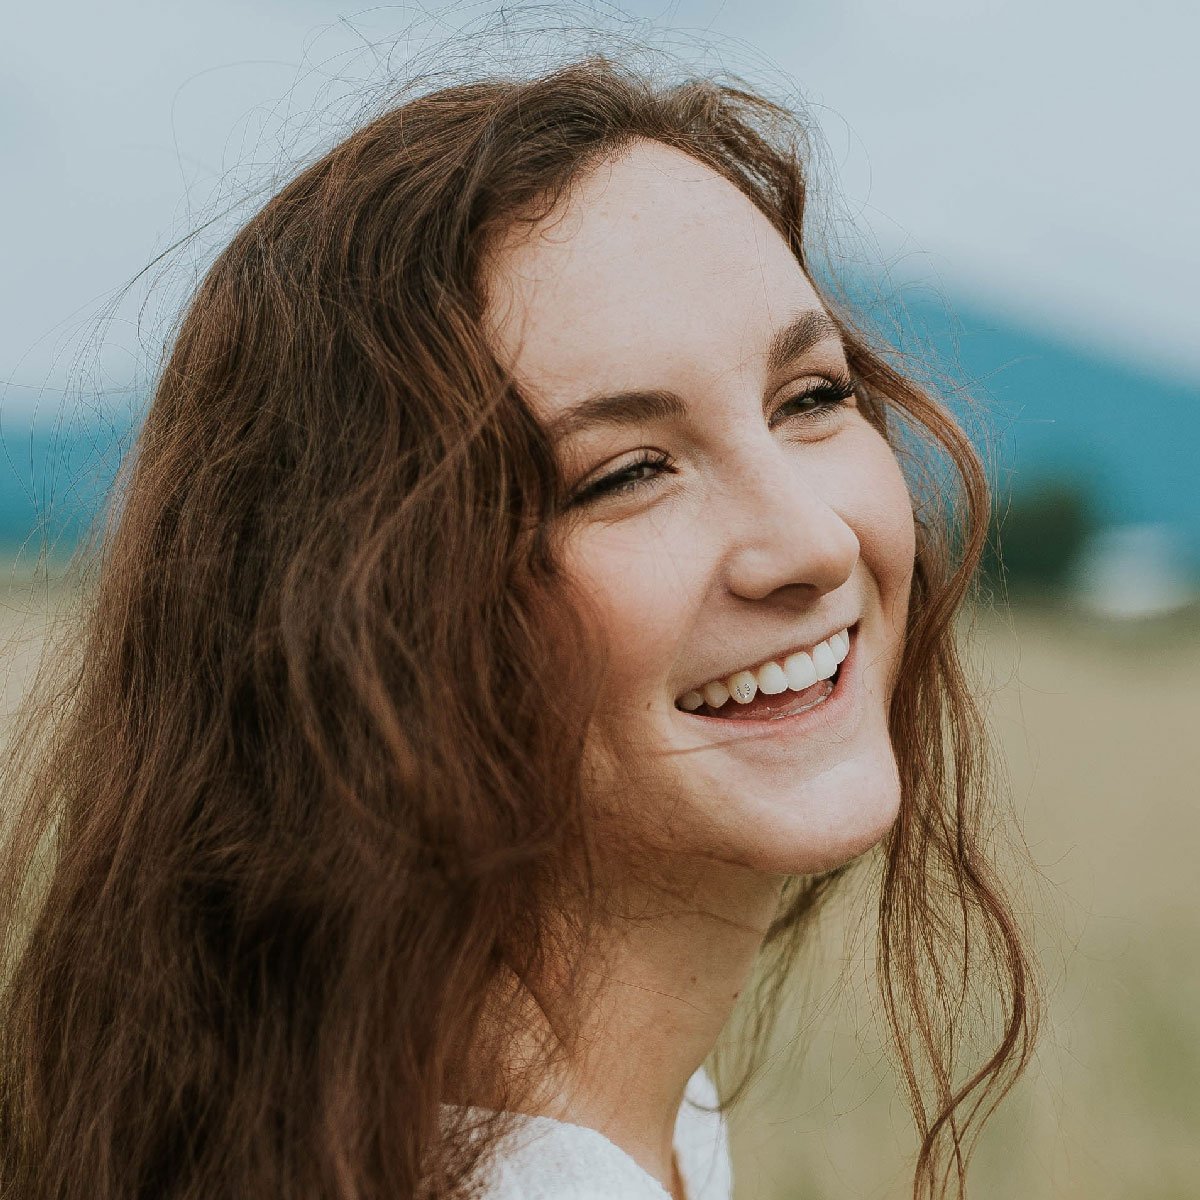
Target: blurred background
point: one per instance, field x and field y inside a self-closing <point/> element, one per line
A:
<point x="1005" y="191"/>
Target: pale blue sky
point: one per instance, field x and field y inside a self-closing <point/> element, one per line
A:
<point x="1037" y="156"/>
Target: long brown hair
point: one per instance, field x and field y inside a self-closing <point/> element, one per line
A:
<point x="294" y="797"/>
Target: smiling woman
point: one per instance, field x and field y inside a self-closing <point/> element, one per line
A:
<point x="768" y="524"/>
<point x="526" y="386"/>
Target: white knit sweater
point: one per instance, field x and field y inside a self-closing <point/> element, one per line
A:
<point x="544" y="1159"/>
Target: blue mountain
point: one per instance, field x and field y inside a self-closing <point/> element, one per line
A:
<point x="1125" y="431"/>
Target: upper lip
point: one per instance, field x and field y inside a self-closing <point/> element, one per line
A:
<point x="771" y="656"/>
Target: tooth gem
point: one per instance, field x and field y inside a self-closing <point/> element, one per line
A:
<point x="743" y="686"/>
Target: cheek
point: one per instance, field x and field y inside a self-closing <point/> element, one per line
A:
<point x="638" y="588"/>
<point x="878" y="506"/>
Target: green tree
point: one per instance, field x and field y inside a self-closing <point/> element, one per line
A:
<point x="1037" y="531"/>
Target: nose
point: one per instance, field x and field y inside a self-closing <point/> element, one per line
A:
<point x="782" y="526"/>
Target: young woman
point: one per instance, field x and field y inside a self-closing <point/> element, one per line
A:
<point x="527" y="594"/>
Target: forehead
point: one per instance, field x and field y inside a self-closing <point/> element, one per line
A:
<point x="655" y="271"/>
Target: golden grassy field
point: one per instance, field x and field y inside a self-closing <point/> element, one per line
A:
<point x="1100" y="729"/>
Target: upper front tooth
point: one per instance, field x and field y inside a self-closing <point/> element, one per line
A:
<point x="824" y="660"/>
<point x="771" y="679"/>
<point x="841" y="645"/>
<point x="800" y="671"/>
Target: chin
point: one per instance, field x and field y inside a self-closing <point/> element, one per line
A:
<point x="821" y="823"/>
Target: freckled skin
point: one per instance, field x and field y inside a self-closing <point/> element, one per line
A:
<point x="661" y="274"/>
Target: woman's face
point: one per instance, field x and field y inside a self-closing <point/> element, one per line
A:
<point x="732" y="507"/>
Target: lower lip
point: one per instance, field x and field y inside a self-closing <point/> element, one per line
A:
<point x="835" y="710"/>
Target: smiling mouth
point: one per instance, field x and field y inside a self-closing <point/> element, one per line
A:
<point x="772" y="708"/>
<point x="777" y="689"/>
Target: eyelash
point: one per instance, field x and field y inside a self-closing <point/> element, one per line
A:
<point x="830" y="396"/>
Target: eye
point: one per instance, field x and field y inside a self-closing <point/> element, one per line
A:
<point x="821" y="402"/>
<point x="628" y="479"/>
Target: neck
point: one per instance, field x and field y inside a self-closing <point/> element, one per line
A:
<point x="674" y="965"/>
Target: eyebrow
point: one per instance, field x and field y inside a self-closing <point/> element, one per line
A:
<point x="796" y="338"/>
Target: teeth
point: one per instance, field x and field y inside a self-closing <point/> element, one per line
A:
<point x="743" y="686"/>
<point x="823" y="660"/>
<point x="840" y="642"/>
<point x="771" y="679"/>
<point x="798" y="671"/>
